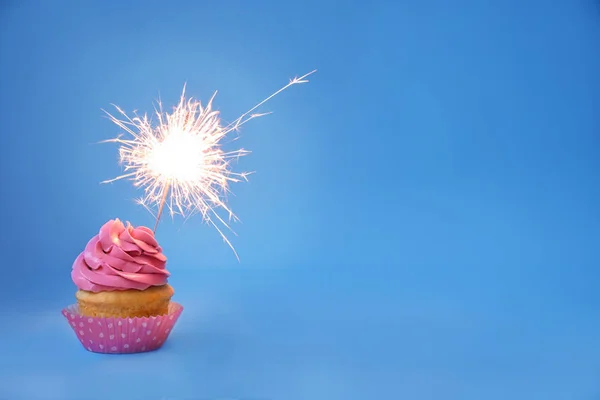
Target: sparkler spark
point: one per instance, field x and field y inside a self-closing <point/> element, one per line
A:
<point x="180" y="163"/>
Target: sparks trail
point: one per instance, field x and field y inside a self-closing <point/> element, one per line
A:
<point x="179" y="161"/>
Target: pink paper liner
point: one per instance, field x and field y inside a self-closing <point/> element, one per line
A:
<point x="122" y="335"/>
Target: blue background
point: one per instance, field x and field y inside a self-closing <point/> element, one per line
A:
<point x="423" y="224"/>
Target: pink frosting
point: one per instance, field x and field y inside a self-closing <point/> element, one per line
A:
<point x="119" y="258"/>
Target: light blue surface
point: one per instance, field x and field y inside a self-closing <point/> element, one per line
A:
<point x="423" y="224"/>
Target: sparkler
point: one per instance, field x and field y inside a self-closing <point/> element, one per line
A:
<point x="180" y="162"/>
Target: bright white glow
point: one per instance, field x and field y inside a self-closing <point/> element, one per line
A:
<point x="179" y="156"/>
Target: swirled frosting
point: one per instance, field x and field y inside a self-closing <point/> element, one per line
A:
<point x="120" y="257"/>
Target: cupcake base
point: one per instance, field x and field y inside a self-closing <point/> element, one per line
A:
<point x="122" y="335"/>
<point x="125" y="303"/>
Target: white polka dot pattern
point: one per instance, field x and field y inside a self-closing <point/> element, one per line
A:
<point x="122" y="335"/>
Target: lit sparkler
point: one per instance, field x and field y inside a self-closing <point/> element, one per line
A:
<point x="179" y="161"/>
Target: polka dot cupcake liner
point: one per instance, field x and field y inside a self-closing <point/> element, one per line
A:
<point x="122" y="335"/>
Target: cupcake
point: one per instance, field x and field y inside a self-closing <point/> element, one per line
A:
<point x="123" y="299"/>
<point x="122" y="274"/>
